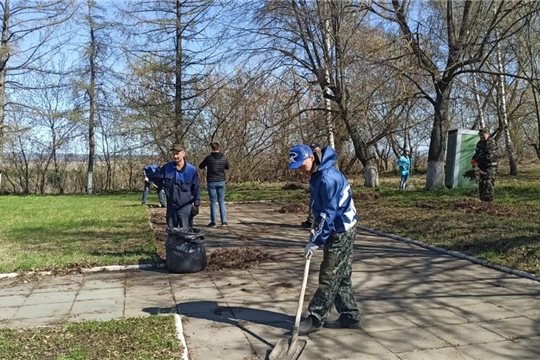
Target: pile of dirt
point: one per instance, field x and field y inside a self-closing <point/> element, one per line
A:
<point x="371" y="196"/>
<point x="294" y="208"/>
<point x="293" y="186"/>
<point x="235" y="258"/>
<point x="480" y="207"/>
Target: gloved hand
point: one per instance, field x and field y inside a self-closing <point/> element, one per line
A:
<point x="310" y="249"/>
<point x="474" y="163"/>
<point x="194" y="210"/>
<point x="146" y="179"/>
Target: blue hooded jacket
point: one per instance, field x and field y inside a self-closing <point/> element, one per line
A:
<point x="404" y="164"/>
<point x="331" y="199"/>
<point x="181" y="187"/>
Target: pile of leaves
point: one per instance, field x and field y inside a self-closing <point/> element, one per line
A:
<point x="295" y="207"/>
<point x="481" y="207"/>
<point x="471" y="206"/>
<point x="235" y="258"/>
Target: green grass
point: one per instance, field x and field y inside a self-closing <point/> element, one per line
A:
<point x="506" y="232"/>
<point x="127" y="339"/>
<point x="48" y="232"/>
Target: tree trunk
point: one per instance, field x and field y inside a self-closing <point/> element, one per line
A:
<point x="481" y="121"/>
<point x="503" y="115"/>
<point x="439" y="135"/>
<point x="178" y="76"/>
<point x="91" y="115"/>
<point x="3" y="69"/>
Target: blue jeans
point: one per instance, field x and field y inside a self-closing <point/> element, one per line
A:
<point x="404" y="179"/>
<point x="216" y="191"/>
<point x="147" y="185"/>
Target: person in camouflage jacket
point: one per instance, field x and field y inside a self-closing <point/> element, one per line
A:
<point x="485" y="158"/>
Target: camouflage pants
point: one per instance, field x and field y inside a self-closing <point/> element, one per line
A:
<point x="486" y="185"/>
<point x="335" y="286"/>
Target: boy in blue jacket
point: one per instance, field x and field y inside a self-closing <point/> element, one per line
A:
<point x="180" y="181"/>
<point x="334" y="230"/>
<point x="404" y="163"/>
<point x="148" y="170"/>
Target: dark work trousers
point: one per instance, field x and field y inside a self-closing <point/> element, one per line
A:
<point x="335" y="286"/>
<point x="179" y="218"/>
<point x="486" y="184"/>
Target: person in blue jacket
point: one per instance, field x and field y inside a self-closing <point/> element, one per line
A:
<point x="334" y="230"/>
<point x="180" y="181"/>
<point x="148" y="170"/>
<point x="404" y="163"/>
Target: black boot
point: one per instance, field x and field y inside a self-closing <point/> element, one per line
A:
<point x="309" y="325"/>
<point x="343" y="322"/>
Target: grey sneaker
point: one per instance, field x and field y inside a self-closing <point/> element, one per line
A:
<point x="309" y="325"/>
<point x="211" y="225"/>
<point x="224" y="224"/>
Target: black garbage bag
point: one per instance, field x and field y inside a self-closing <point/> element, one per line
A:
<point x="185" y="250"/>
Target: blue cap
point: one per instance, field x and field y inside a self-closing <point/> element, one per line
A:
<point x="297" y="155"/>
<point x="314" y="145"/>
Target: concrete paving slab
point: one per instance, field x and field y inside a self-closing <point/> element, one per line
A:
<point x="439" y="354"/>
<point x="59" y="310"/>
<point x="100" y="316"/>
<point x="6" y="289"/>
<point x="96" y="306"/>
<point x="523" y="306"/>
<point x="100" y="293"/>
<point x="532" y="343"/>
<point x="483" y="312"/>
<point x="513" y="328"/>
<point x="504" y="350"/>
<point x="12" y="300"/>
<point x="7" y="313"/>
<point x="464" y="334"/>
<point x="385" y="322"/>
<point x="356" y="346"/>
<point x="433" y="317"/>
<point x="50" y="297"/>
<point x="408" y="340"/>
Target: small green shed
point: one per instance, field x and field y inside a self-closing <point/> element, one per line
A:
<point x="460" y="150"/>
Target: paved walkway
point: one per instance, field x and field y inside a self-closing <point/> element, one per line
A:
<point x="416" y="304"/>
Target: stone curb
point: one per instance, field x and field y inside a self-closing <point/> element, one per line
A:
<point x="94" y="269"/>
<point x="456" y="254"/>
<point x="180" y="336"/>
